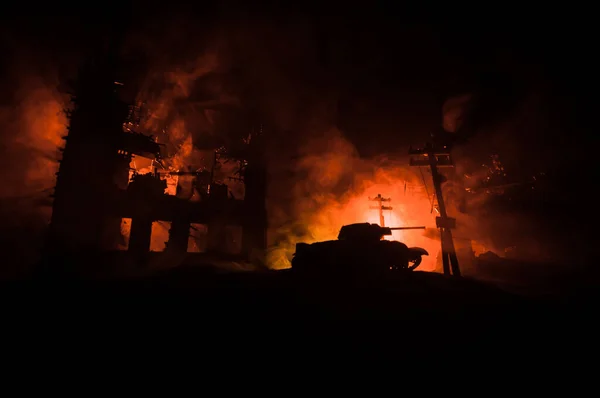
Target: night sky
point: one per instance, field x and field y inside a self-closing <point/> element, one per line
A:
<point x="392" y="64"/>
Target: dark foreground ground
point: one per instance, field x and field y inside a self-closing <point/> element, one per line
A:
<point x="281" y="315"/>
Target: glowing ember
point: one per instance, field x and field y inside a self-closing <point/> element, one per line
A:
<point x="160" y="235"/>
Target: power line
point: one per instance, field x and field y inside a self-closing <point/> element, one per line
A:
<point x="426" y="190"/>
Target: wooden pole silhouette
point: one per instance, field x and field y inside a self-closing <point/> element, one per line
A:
<point x="435" y="158"/>
<point x="381" y="207"/>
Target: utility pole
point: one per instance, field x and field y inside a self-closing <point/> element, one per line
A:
<point x="381" y="207"/>
<point x="435" y="158"/>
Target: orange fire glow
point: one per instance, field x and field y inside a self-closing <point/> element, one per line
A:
<point x="38" y="123"/>
<point x="410" y="204"/>
<point x="409" y="209"/>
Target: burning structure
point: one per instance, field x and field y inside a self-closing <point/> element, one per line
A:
<point x="96" y="188"/>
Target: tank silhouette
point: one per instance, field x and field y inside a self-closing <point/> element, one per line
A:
<point x="359" y="248"/>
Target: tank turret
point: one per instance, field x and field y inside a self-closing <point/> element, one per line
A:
<point x="367" y="231"/>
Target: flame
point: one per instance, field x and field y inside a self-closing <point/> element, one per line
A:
<point x="125" y="233"/>
<point x="159" y="235"/>
<point x="324" y="214"/>
<point x="410" y="209"/>
<point x="183" y="156"/>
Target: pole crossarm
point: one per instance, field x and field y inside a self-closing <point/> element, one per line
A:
<point x="380" y="199"/>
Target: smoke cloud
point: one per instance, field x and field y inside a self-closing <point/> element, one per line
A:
<point x="33" y="123"/>
<point x="506" y="192"/>
<point x="317" y="179"/>
<point x="331" y="187"/>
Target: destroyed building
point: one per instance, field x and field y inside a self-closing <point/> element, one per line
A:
<point x="96" y="188"/>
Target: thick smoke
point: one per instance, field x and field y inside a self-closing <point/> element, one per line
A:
<point x="505" y="193"/>
<point x="35" y="71"/>
<point x="317" y="180"/>
<point x="331" y="187"/>
<point x="245" y="63"/>
<point x="33" y="122"/>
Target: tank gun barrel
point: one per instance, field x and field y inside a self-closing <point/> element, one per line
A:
<point x="402" y="228"/>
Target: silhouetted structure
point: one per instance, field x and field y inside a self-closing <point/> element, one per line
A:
<point x="434" y="157"/>
<point x="96" y="153"/>
<point x="93" y="192"/>
<point x="359" y="249"/>
<point x="381" y="207"/>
